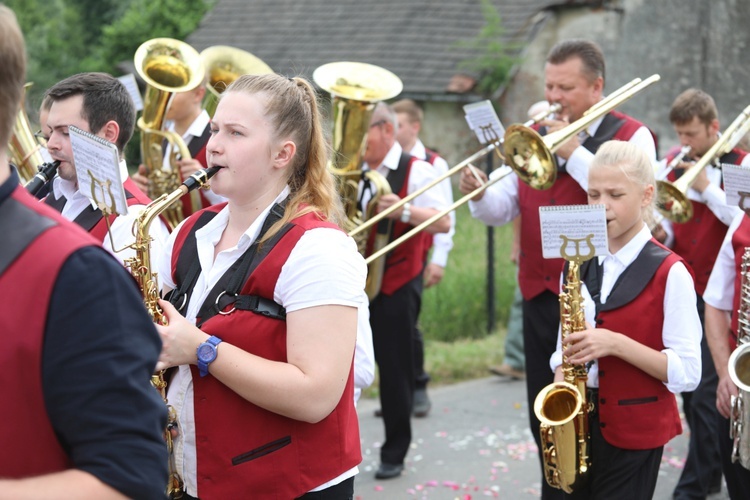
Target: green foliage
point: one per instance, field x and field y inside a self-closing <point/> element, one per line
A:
<point x="64" y="37"/>
<point x="493" y="61"/>
<point x="457" y="307"/>
<point x="143" y="20"/>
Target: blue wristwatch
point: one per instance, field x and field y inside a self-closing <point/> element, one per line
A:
<point x="206" y="354"/>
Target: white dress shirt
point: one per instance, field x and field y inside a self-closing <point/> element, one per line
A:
<point x="122" y="227"/>
<point x="421" y="174"/>
<point x="681" y="330"/>
<point x="499" y="205"/>
<point x="442" y="242"/>
<point x="195" y="130"/>
<point x="720" y="288"/>
<point x="713" y="196"/>
<point x="324" y="268"/>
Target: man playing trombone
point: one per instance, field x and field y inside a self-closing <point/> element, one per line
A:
<point x="394" y="310"/>
<point x="695" y="120"/>
<point x="574" y="78"/>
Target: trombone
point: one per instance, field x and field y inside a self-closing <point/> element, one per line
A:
<point x="671" y="197"/>
<point x="527" y="154"/>
<point x="479" y="154"/>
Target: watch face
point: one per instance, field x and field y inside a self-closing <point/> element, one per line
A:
<point x="206" y="352"/>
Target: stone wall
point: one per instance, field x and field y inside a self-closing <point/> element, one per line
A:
<point x="689" y="43"/>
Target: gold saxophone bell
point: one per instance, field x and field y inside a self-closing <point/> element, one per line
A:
<point x="224" y="65"/>
<point x="167" y="66"/>
<point x="355" y="89"/>
<point x="739" y="372"/>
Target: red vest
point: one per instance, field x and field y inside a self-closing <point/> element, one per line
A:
<point x="29" y="444"/>
<point x="406" y="261"/>
<point x="740" y="240"/>
<point x="137" y="197"/>
<point x="243" y="449"/>
<point x="698" y="240"/>
<point x="535" y="273"/>
<point x="637" y="411"/>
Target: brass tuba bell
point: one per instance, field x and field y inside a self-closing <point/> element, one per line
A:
<point x="224" y="65"/>
<point x="355" y="89"/>
<point x="25" y="151"/>
<point x="167" y="66"/>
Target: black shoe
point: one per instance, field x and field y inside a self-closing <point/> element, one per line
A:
<point x="389" y="471"/>
<point x="422" y="403"/>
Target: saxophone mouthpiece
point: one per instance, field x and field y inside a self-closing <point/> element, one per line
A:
<point x="200" y="178"/>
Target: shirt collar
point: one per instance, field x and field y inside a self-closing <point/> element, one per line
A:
<point x="196" y="128"/>
<point x="627" y="254"/>
<point x="419" y="151"/>
<point x="211" y="232"/>
<point x="391" y="158"/>
<point x="62" y="187"/>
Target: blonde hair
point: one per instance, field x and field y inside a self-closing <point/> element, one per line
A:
<point x="13" y="74"/>
<point x="291" y="106"/>
<point x="634" y="163"/>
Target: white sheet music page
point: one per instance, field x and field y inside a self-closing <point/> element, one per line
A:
<point x="483" y="120"/>
<point x="570" y="231"/>
<point x="132" y="87"/>
<point x="736" y="181"/>
<point x="98" y="169"/>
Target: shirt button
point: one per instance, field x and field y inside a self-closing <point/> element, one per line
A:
<point x="601" y="373"/>
<point x="602" y="425"/>
<point x="603" y="401"/>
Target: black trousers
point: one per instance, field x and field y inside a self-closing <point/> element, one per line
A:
<point x="541" y="319"/>
<point x="703" y="464"/>
<point x="393" y="320"/>
<point x="736" y="476"/>
<point x="617" y="473"/>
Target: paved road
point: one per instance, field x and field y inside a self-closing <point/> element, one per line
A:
<point x="474" y="444"/>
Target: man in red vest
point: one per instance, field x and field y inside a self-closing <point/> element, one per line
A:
<point x="574" y="77"/>
<point x="725" y="302"/>
<point x="394" y="311"/>
<point x="100" y="104"/>
<point x="80" y="417"/>
<point x="695" y="119"/>
<point x="410" y="117"/>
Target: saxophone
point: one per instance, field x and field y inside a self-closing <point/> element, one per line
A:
<point x="141" y="269"/>
<point x="739" y="372"/>
<point x="561" y="407"/>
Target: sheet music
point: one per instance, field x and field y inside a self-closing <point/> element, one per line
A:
<point x="132" y="87"/>
<point x="97" y="165"/>
<point x="575" y="222"/>
<point x="736" y="180"/>
<point x="483" y="120"/>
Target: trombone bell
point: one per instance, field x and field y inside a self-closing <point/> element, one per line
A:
<point x="526" y="152"/>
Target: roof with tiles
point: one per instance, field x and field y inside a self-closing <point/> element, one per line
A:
<point x="415" y="39"/>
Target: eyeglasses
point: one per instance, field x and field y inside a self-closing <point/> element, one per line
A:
<point x="41" y="138"/>
<point x="378" y="123"/>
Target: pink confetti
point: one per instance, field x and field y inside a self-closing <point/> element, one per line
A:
<point x="431" y="483"/>
<point x="378" y="488"/>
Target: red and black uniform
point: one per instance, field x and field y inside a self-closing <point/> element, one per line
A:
<point x="274" y="456"/>
<point x="539" y="278"/>
<point x="91" y="219"/>
<point x="393" y="318"/>
<point x="78" y="351"/>
<point x="634" y="414"/>
<point x="698" y="240"/>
